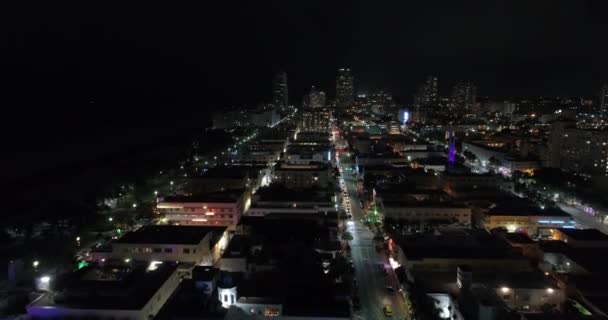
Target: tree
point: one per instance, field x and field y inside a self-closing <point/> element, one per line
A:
<point x="494" y="161"/>
<point x="347" y="236"/>
<point x="470" y="156"/>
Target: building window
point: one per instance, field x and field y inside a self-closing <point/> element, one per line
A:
<point x="157" y="250"/>
<point x="271" y="312"/>
<point x="225" y="298"/>
<point x="168" y="250"/>
<point x="186" y="250"/>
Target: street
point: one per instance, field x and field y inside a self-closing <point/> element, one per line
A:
<point x="583" y="219"/>
<point x="372" y="282"/>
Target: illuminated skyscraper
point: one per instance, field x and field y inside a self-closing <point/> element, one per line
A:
<point x="428" y="93"/>
<point x="345" y="89"/>
<point x="316" y="98"/>
<point x="464" y="96"/>
<point x="603" y="107"/>
<point x="280" y="94"/>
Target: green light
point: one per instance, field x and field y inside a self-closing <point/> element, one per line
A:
<point x="82" y="264"/>
<point x="119" y="230"/>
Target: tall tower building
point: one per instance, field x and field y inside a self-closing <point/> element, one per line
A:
<point x="464" y="96"/>
<point x="428" y="93"/>
<point x="603" y="107"/>
<point x="316" y="98"/>
<point x="280" y="93"/>
<point x="345" y="89"/>
<point x="432" y="91"/>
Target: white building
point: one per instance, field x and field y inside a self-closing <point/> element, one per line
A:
<point x="112" y="292"/>
<point x="221" y="209"/>
<point x="198" y="245"/>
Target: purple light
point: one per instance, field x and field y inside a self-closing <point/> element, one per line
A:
<point x="452" y="149"/>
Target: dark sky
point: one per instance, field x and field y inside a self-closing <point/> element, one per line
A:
<point x="75" y="76"/>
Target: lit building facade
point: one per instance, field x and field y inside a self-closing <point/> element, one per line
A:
<point x="280" y="92"/>
<point x="316" y="98"/>
<point x="464" y="96"/>
<point x="315" y="120"/>
<point x="203" y="212"/>
<point x="345" y="87"/>
<point x="198" y="245"/>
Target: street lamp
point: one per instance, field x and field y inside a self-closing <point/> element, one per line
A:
<point x="110" y="219"/>
<point x="155" y="192"/>
<point x="35" y="264"/>
<point x="135" y="205"/>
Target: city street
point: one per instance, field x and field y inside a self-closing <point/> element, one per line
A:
<point x="583" y="219"/>
<point x="372" y="282"/>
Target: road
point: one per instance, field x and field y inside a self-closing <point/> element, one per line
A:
<point x="371" y="281"/>
<point x="583" y="219"/>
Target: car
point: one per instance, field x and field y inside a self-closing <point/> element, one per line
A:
<point x="390" y="290"/>
<point x="388" y="311"/>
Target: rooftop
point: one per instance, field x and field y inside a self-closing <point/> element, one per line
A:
<point x="170" y="234"/>
<point x="519" y="238"/>
<point x="513" y="206"/>
<point x="476" y="244"/>
<point x="110" y="287"/>
<point x="228" y="196"/>
<point x="225" y="173"/>
<point x="204" y="273"/>
<point x="585" y="234"/>
<point x="276" y="192"/>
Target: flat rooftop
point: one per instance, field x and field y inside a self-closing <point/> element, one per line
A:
<point x="585" y="234"/>
<point x="519" y="238"/>
<point x="277" y="192"/>
<point x="170" y="234"/>
<point x="222" y="172"/>
<point x="228" y="196"/>
<point x="513" y="206"/>
<point x="476" y="244"/>
<point x="121" y="287"/>
<point x="313" y="166"/>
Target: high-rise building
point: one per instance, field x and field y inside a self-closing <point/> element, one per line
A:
<point x="428" y="93"/>
<point x="315" y="120"/>
<point x="464" y="96"/>
<point x="603" y="106"/>
<point x="316" y="98"/>
<point x="345" y="89"/>
<point x="578" y="150"/>
<point x="280" y="93"/>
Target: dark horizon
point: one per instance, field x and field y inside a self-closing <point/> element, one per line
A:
<point x="93" y="71"/>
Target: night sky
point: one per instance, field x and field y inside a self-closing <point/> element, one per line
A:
<point x="86" y="78"/>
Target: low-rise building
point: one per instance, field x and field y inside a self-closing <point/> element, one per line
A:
<point x="303" y="176"/>
<point x="426" y="212"/>
<point x="193" y="244"/>
<point x="305" y="154"/>
<point x="277" y="199"/>
<point x="520" y="215"/>
<point x="581" y="237"/>
<point x="124" y="291"/>
<point x="212" y="209"/>
<point x="476" y="249"/>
